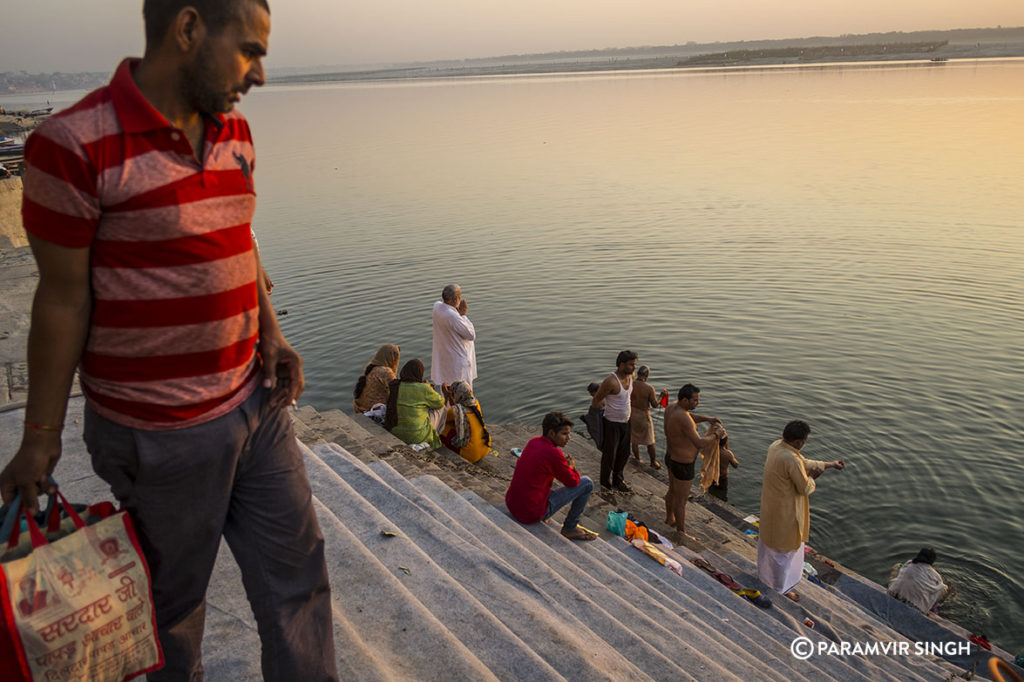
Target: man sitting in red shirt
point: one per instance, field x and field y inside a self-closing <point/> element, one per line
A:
<point x="530" y="498"/>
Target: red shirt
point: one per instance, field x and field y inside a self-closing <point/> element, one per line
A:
<point x="539" y="465"/>
<point x="174" y="300"/>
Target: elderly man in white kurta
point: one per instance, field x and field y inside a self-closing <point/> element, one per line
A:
<point x="785" y="508"/>
<point x="454" y="355"/>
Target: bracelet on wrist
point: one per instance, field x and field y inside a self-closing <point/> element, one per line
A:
<point x="42" y="428"/>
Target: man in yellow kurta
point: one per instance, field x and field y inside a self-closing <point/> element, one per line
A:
<point x="785" y="508"/>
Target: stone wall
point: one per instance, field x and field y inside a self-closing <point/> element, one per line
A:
<point x="10" y="213"/>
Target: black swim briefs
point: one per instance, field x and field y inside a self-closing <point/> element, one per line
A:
<point x="681" y="471"/>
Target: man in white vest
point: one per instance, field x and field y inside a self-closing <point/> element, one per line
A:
<point x="454" y="354"/>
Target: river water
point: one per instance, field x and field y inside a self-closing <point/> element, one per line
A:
<point x="840" y="244"/>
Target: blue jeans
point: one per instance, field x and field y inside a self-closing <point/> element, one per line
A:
<point x="578" y="496"/>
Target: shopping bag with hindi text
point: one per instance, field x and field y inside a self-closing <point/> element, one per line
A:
<point x="78" y="609"/>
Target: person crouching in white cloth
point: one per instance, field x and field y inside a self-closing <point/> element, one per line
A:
<point x="918" y="583"/>
<point x="454" y="352"/>
<point x="785" y="508"/>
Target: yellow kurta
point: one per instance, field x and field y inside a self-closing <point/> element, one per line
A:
<point x="478" y="446"/>
<point x="785" y="507"/>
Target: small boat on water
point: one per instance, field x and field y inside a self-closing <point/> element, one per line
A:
<point x="940" y="59"/>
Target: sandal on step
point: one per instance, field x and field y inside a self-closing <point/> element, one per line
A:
<point x="726" y="580"/>
<point x="755" y="597"/>
<point x="579" y="534"/>
<point x="701" y="562"/>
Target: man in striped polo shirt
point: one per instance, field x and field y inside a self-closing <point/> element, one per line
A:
<point x="138" y="201"/>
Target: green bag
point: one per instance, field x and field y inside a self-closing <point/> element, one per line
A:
<point x="616" y="522"/>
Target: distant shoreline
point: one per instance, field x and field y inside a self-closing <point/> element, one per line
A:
<point x="945" y="54"/>
<point x="920" y="46"/>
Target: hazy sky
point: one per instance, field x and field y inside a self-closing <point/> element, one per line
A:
<point x="92" y="35"/>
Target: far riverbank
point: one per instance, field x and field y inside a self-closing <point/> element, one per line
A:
<point x="808" y="52"/>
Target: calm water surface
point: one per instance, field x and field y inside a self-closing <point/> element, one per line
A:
<point x="838" y="244"/>
<point x="841" y="245"/>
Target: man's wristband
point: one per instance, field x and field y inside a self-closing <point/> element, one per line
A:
<point x="41" y="428"/>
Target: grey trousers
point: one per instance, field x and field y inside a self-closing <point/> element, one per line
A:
<point x="240" y="476"/>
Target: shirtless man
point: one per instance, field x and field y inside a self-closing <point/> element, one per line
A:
<point x="683" y="444"/>
<point x="614" y="393"/>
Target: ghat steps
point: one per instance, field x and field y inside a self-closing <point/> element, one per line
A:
<point x="432" y="580"/>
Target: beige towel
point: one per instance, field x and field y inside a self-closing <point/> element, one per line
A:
<point x="709" y="465"/>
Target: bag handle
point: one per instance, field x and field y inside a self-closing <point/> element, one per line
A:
<point x="38" y="539"/>
<point x="13" y="528"/>
<point x="70" y="511"/>
<point x="10" y="528"/>
<point x="52" y="514"/>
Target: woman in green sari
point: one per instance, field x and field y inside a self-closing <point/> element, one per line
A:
<point x="411" y="400"/>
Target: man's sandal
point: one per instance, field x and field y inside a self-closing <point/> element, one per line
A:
<point x="755" y="597"/>
<point x="727" y="581"/>
<point x="579" y="534"/>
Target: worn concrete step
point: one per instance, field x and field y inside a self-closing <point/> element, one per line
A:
<point x="911" y="623"/>
<point x="455" y="513"/>
<point x="690" y="651"/>
<point x="560" y="639"/>
<point x="647" y="584"/>
<point x="835" y="617"/>
<point x="470" y="621"/>
<point x="383" y="435"/>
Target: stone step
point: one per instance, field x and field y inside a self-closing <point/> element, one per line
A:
<point x="384" y="436"/>
<point x="573" y="601"/>
<point x="468" y="620"/>
<point x="648" y="583"/>
<point x="911" y="623"/>
<point x="457" y="590"/>
<point x="560" y="639"/>
<point x="836" y="618"/>
<point x="616" y="620"/>
<point x="776" y="634"/>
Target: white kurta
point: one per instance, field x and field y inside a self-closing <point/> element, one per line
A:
<point x="454" y="354"/>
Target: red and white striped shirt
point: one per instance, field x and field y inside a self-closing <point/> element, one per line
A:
<point x="172" y="340"/>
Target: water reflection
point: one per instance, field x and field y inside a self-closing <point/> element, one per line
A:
<point x="838" y="244"/>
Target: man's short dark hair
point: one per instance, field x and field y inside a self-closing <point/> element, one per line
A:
<point x="449" y="292"/>
<point x="796" y="430"/>
<point x="687" y="392"/>
<point x="553" y="421"/>
<point x="625" y="356"/>
<point x="157" y="15"/>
